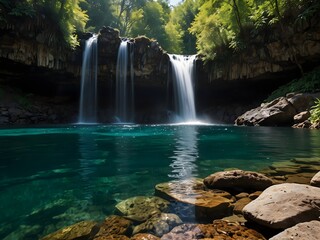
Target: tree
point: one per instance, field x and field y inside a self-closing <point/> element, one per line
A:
<point x="100" y="14"/>
<point x="55" y="18"/>
<point x="181" y="19"/>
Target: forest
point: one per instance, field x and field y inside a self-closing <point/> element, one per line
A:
<point x="206" y="27"/>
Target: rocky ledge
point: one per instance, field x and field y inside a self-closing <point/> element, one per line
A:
<point x="258" y="206"/>
<point x="291" y="110"/>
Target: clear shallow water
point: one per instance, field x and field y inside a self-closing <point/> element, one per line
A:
<point x="56" y="176"/>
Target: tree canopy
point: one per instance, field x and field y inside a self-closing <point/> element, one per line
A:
<point x="193" y="26"/>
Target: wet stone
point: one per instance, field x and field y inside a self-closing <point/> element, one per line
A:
<point x="114" y="225"/>
<point x="144" y="236"/>
<point x="238" y="179"/>
<point x="141" y="208"/>
<point x="112" y="237"/>
<point x="235" y="219"/>
<point x="254" y="195"/>
<point x="81" y="230"/>
<point x="158" y="224"/>
<point x="240" y="204"/>
<point x="242" y="195"/>
<point x="217" y="230"/>
<point x="191" y="200"/>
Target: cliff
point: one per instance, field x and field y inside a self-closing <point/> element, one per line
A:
<point x="224" y="88"/>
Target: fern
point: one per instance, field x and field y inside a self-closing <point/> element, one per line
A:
<point x="315" y="112"/>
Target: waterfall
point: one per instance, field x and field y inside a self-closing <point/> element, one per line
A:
<point x="182" y="74"/>
<point x="88" y="94"/>
<point x="124" y="91"/>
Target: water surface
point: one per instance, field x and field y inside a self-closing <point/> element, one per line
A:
<point x="51" y="177"/>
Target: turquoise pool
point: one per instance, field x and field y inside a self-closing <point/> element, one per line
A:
<point x="54" y="176"/>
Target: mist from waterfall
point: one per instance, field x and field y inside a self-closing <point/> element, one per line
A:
<point x="88" y="94"/>
<point x="124" y="111"/>
<point x="183" y="71"/>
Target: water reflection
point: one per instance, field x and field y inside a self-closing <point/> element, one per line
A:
<point x="185" y="153"/>
<point x="88" y="160"/>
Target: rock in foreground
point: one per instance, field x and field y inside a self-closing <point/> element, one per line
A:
<point x="306" y="230"/>
<point x="315" y="181"/>
<point x="81" y="230"/>
<point x="284" y="205"/>
<point x="218" y="230"/>
<point x="141" y="208"/>
<point x="190" y="198"/>
<point x="238" y="179"/>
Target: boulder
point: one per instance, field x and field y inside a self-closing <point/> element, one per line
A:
<point x="301" y="101"/>
<point x="315" y="181"/>
<point x="284" y="205"/>
<point x="141" y="208"/>
<point x="112" y="237"/>
<point x="191" y="200"/>
<point x="279" y="112"/>
<point x="306" y="230"/>
<point x="144" y="236"/>
<point x="158" y="224"/>
<point x="217" y="230"/>
<point x="301" y="117"/>
<point x="114" y="225"/>
<point x="238" y="179"/>
<point x="81" y="230"/>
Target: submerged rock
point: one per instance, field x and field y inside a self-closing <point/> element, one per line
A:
<point x="217" y="230"/>
<point x="141" y="208"/>
<point x="238" y="179"/>
<point x="191" y="200"/>
<point x="81" y="230"/>
<point x="284" y="205"/>
<point x="306" y="230"/>
<point x="114" y="225"/>
<point x="158" y="224"/>
<point x="315" y="181"/>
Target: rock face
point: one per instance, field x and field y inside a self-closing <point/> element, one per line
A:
<point x="190" y="198"/>
<point x="238" y="179"/>
<point x="315" y="181"/>
<point x="141" y="208"/>
<point x="306" y="230"/>
<point x="276" y="113"/>
<point x="284" y="205"/>
<point x="283" y="111"/>
<point x="218" y="230"/>
<point x="81" y="230"/>
<point x="274" y="55"/>
<point x="158" y="224"/>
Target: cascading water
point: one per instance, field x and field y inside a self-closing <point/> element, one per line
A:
<point x="124" y="91"/>
<point x="182" y="74"/>
<point x="88" y="95"/>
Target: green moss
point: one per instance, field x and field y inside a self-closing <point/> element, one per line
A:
<point x="310" y="82"/>
<point x="315" y="112"/>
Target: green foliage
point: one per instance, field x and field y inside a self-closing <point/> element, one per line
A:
<point x="100" y="14"/>
<point x="55" y="18"/>
<point x="315" y="112"/>
<point x="232" y="23"/>
<point x="178" y="26"/>
<point x="310" y="82"/>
